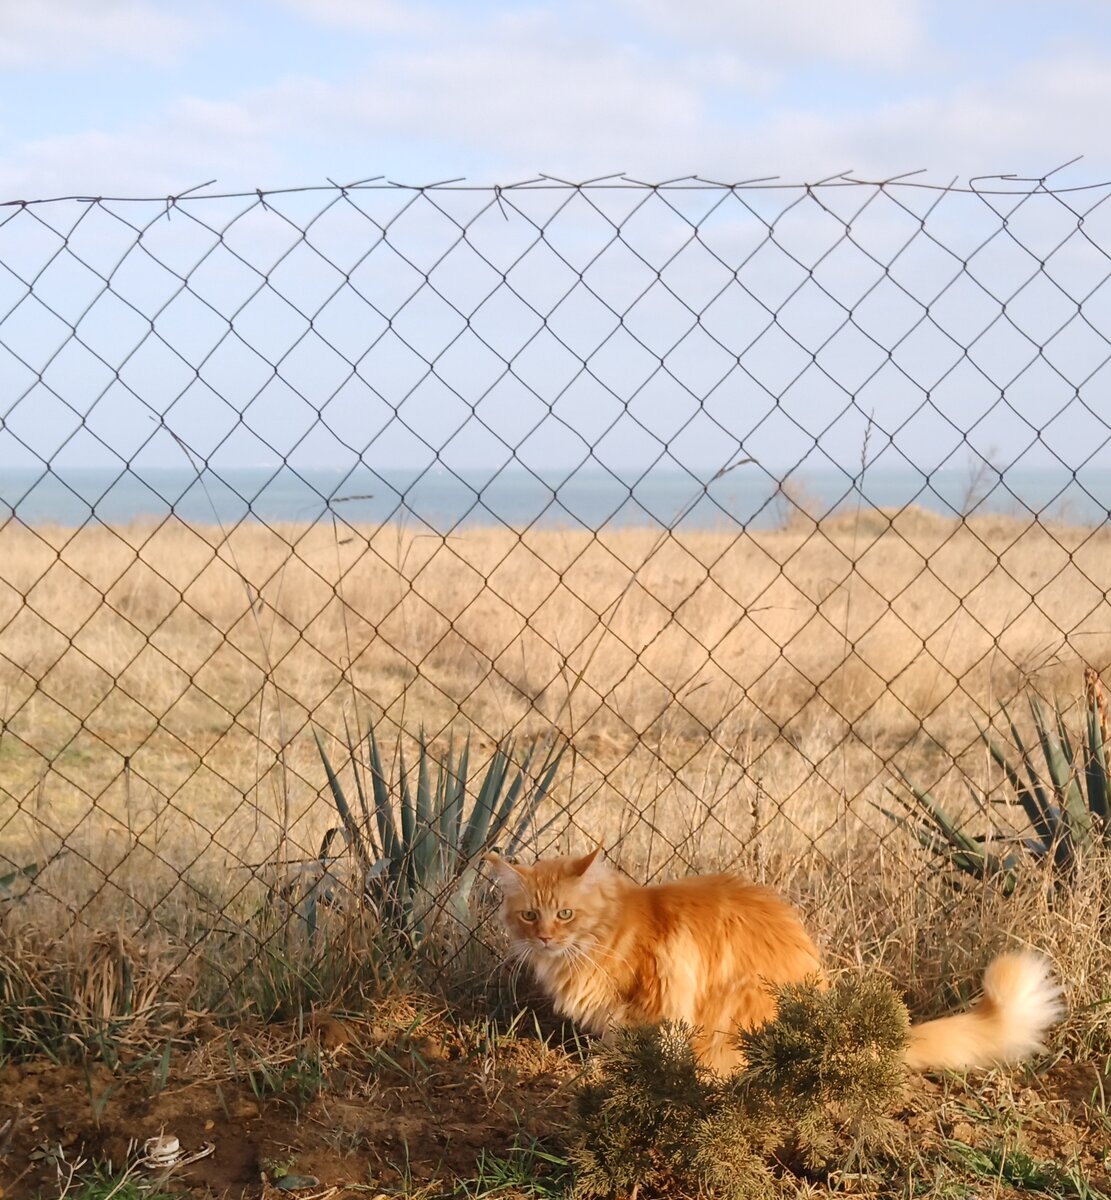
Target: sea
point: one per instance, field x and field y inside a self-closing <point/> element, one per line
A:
<point x="441" y="500"/>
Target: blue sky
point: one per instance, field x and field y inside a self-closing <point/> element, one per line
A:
<point x="141" y="95"/>
<point x="148" y="98"/>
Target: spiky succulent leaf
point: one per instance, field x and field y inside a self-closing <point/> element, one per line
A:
<point x="478" y="825"/>
<point x="1095" y="772"/>
<point x="1034" y="800"/>
<point x="1062" y="771"/>
<point x="408" y="811"/>
<point x="342" y="807"/>
<point x="525" y="826"/>
<point x="450" y="801"/>
<point x="1066" y="801"/>
<point x="424" y="844"/>
<point x="429" y="840"/>
<point x="1037" y="785"/>
<point x="383" y="809"/>
<point x="364" y="808"/>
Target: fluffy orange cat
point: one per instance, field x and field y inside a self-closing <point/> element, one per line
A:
<point x="704" y="950"/>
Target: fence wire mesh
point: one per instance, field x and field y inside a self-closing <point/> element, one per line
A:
<point x="755" y="496"/>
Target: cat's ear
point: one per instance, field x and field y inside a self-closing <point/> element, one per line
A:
<point x="505" y="872"/>
<point x="585" y="867"/>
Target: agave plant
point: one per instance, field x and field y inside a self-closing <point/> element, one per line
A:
<point x="1062" y="785"/>
<point x="416" y="846"/>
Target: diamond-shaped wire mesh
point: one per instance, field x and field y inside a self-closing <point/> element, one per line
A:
<point x="752" y="494"/>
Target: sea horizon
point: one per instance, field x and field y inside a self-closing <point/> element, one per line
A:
<point x="594" y="497"/>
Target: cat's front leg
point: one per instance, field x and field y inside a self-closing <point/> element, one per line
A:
<point x="603" y="1041"/>
<point x="621" y="1016"/>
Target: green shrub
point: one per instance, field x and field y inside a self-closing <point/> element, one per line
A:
<point x="654" y="1120"/>
<point x="819" y="1084"/>
<point x="830" y="1067"/>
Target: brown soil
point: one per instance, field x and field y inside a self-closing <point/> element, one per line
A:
<point x="1052" y="1117"/>
<point x="395" y="1105"/>
<point x="391" y="1113"/>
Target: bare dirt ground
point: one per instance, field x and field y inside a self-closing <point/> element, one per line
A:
<point x="354" y="1106"/>
<point x="407" y="1105"/>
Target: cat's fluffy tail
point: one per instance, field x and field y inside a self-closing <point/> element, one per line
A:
<point x="1021" y="1001"/>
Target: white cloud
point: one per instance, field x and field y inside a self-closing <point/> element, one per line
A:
<point x="525" y="94"/>
<point x="529" y="91"/>
<point x="577" y="103"/>
<point x="875" y="33"/>
<point x="1040" y="115"/>
<point x="367" y="16"/>
<point x="54" y="32"/>
<point x="563" y="104"/>
<point x="173" y="151"/>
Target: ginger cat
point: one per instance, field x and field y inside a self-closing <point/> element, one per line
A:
<point x="703" y="950"/>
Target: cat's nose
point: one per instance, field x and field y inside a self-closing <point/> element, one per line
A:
<point x="543" y="938"/>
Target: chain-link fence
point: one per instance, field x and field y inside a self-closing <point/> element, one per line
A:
<point x="754" y="495"/>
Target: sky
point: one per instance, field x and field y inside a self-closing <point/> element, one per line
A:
<point x="138" y="98"/>
<point x="145" y="96"/>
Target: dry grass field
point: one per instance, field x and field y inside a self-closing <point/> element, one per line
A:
<point x="729" y="701"/>
<point x="158" y="684"/>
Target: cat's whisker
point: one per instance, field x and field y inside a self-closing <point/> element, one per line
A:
<point x="576" y="957"/>
<point x="601" y="958"/>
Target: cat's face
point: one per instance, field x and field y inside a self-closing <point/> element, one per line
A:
<point x="552" y="909"/>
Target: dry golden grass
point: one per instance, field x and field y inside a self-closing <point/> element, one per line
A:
<point x="728" y="698"/>
<point x="164" y="678"/>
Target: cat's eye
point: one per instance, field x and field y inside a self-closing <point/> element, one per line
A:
<point x="565" y="914"/>
<point x="529" y="916"/>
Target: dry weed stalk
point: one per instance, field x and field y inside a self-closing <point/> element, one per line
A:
<point x="1097" y="699"/>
